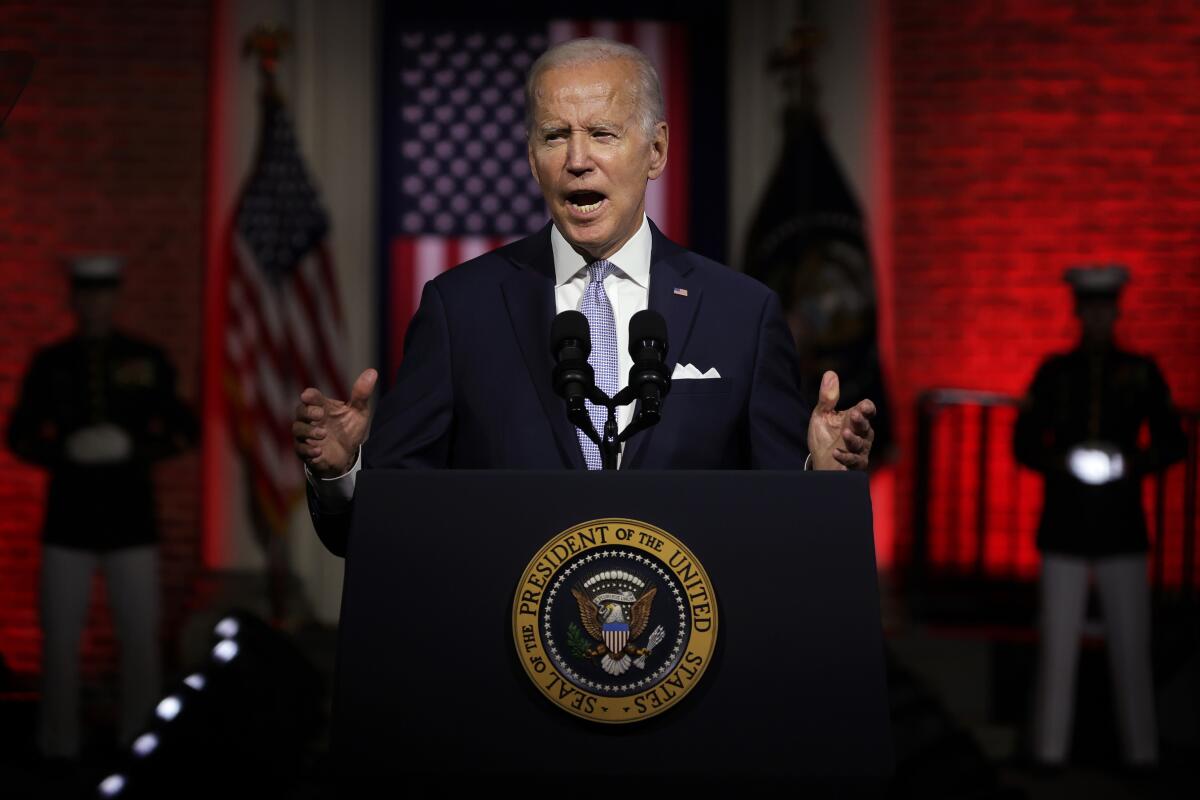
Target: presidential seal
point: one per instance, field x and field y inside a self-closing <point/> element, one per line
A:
<point x="614" y="620"/>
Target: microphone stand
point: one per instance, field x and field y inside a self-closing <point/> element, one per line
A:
<point x="648" y="415"/>
<point x="609" y="442"/>
<point x="574" y="381"/>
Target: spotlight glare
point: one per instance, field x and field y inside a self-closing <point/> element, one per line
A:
<point x="168" y="708"/>
<point x="225" y="650"/>
<point x="195" y="680"/>
<point x="112" y="785"/>
<point x="227" y="628"/>
<point x="145" y="744"/>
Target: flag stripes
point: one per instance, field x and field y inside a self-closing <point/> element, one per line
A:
<point x="284" y="326"/>
<point x="419" y="250"/>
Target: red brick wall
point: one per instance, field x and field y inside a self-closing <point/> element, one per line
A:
<point x="1028" y="136"/>
<point x="104" y="152"/>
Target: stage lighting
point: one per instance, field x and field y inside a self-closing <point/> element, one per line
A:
<point x="250" y="710"/>
<point x="145" y="744"/>
<point x="168" y="708"/>
<point x="225" y="651"/>
<point x="227" y="628"/>
<point x="112" y="785"/>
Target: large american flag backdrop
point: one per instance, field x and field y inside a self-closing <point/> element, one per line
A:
<point x="284" y="328"/>
<point x="456" y="179"/>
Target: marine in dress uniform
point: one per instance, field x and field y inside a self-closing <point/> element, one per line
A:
<point x="97" y="410"/>
<point x="1079" y="426"/>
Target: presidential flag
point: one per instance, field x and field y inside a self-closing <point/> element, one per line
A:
<point x="284" y="328"/>
<point x="456" y="180"/>
<point x="808" y="242"/>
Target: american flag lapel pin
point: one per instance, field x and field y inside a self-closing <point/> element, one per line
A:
<point x="681" y="292"/>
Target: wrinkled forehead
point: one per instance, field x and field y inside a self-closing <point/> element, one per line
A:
<point x="607" y="84"/>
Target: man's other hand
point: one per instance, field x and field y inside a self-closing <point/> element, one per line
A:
<point x="327" y="432"/>
<point x="839" y="439"/>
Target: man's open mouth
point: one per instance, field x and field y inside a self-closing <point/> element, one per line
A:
<point x="585" y="202"/>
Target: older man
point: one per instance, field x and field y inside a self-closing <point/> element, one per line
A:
<point x="474" y="389"/>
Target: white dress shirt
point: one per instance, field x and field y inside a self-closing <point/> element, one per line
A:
<point x="627" y="287"/>
<point x="628" y="290"/>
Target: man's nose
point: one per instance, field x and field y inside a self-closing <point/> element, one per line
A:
<point x="579" y="153"/>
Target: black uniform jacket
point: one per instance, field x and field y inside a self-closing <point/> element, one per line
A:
<point x="1108" y="396"/>
<point x="80" y="382"/>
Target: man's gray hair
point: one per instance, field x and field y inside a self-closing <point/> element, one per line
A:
<point x="593" y="50"/>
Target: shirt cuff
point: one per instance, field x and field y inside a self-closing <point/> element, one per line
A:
<point x="335" y="494"/>
<point x="807" y="463"/>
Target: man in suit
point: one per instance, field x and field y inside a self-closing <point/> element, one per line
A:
<point x="474" y="389"/>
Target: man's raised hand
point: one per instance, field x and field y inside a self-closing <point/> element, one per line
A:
<point x="839" y="439"/>
<point x="327" y="433"/>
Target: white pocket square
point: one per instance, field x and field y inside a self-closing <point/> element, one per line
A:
<point x="688" y="372"/>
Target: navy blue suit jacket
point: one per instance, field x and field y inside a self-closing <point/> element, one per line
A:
<point x="474" y="388"/>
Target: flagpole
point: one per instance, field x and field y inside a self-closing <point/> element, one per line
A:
<point x="266" y="44"/>
<point x="225" y="437"/>
<point x="214" y="508"/>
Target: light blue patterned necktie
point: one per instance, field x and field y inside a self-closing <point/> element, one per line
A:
<point x="604" y="358"/>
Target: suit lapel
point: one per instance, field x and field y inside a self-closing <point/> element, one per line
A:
<point x="529" y="299"/>
<point x="676" y="295"/>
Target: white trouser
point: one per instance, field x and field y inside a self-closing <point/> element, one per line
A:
<point x="131" y="575"/>
<point x="1125" y="603"/>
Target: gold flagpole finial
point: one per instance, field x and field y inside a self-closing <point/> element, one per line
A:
<point x="266" y="43"/>
<point x="793" y="60"/>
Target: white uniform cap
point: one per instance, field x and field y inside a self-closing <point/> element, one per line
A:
<point x="1099" y="280"/>
<point x="97" y="270"/>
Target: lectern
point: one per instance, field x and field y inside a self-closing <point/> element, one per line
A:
<point x="430" y="680"/>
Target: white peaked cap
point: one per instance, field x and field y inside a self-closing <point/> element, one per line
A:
<point x="98" y="268"/>
<point x="1098" y="280"/>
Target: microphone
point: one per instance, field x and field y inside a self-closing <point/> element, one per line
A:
<point x="571" y="344"/>
<point x="648" y="347"/>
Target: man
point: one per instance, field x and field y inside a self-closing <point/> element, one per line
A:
<point x="474" y="388"/>
<point x="97" y="410"/>
<point x="1080" y="426"/>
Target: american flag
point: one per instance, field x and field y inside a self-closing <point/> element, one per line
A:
<point x="284" y="326"/>
<point x="456" y="178"/>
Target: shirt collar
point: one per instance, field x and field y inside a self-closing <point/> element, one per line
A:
<point x="633" y="259"/>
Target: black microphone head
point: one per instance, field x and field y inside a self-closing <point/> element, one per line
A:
<point x="647" y="324"/>
<point x="567" y="326"/>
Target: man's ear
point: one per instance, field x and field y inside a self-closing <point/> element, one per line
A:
<point x="658" y="151"/>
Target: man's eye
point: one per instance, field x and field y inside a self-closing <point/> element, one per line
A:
<point x="604" y="135"/>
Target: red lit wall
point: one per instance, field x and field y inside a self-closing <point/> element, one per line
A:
<point x="1028" y="136"/>
<point x="104" y="152"/>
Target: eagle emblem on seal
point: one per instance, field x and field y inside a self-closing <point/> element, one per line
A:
<point x="614" y="607"/>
